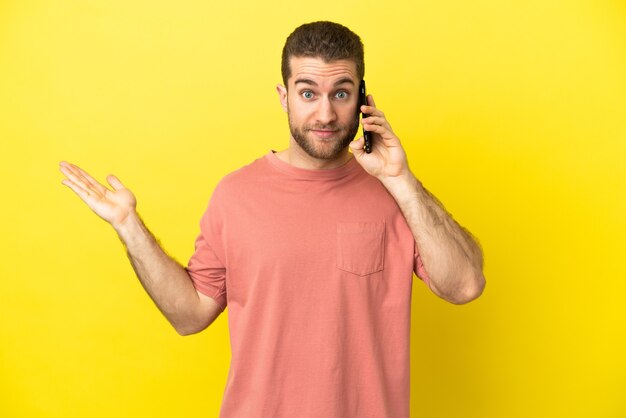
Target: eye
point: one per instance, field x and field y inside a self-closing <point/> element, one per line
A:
<point x="342" y="95"/>
<point x="307" y="94"/>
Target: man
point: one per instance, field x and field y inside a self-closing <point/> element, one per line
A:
<point x="312" y="248"/>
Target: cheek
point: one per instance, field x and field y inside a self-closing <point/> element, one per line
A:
<point x="348" y="113"/>
<point x="299" y="111"/>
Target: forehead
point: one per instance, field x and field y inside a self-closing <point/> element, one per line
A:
<point x="318" y="70"/>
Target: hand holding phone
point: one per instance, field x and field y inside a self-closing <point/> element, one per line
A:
<point x="363" y="101"/>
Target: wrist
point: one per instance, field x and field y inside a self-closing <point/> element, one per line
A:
<point x="404" y="181"/>
<point x="128" y="227"/>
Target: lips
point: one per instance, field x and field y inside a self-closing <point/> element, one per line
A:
<point x="321" y="133"/>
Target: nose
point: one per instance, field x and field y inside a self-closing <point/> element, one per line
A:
<point x="326" y="111"/>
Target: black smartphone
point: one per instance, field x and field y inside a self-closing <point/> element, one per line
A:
<point x="363" y="101"/>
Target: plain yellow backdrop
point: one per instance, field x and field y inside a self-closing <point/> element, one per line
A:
<point x="512" y="113"/>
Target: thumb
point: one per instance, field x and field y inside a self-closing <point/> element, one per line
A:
<point x="115" y="182"/>
<point x="357" y="146"/>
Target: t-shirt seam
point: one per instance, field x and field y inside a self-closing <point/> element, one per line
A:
<point x="302" y="176"/>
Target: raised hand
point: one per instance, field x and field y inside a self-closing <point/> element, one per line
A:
<point x="387" y="159"/>
<point x="114" y="206"/>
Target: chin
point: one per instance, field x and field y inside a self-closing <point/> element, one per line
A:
<point x="323" y="149"/>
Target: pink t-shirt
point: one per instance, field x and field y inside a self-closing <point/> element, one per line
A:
<point x="316" y="268"/>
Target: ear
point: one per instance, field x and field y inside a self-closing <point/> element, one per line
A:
<point x="282" y="95"/>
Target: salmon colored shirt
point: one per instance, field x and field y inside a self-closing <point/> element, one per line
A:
<point x="316" y="268"/>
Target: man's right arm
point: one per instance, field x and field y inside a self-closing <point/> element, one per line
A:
<point x="166" y="281"/>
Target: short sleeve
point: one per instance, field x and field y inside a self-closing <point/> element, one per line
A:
<point x="418" y="267"/>
<point x="206" y="268"/>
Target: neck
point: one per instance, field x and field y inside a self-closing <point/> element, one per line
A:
<point x="297" y="157"/>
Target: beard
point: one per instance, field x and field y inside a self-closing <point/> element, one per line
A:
<point x="324" y="149"/>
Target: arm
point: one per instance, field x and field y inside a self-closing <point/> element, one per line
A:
<point x="168" y="284"/>
<point x="451" y="256"/>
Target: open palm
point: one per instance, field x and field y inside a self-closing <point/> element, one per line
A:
<point x="113" y="206"/>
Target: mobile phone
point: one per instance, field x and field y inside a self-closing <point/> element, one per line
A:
<point x="363" y="101"/>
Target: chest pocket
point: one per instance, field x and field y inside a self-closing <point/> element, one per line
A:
<point x="360" y="247"/>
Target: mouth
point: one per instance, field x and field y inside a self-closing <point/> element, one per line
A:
<point x="323" y="133"/>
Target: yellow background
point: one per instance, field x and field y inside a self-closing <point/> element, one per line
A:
<point x="513" y="113"/>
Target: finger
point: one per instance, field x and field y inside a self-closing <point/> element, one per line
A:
<point x="375" y="128"/>
<point x="357" y="147"/>
<point x="79" y="175"/>
<point x="115" y="182"/>
<point x="87" y="179"/>
<point x="97" y="185"/>
<point x="380" y="130"/>
<point x="376" y="120"/>
<point x="372" y="111"/>
<point x="73" y="168"/>
<point x="76" y="180"/>
<point x="370" y="100"/>
<point x="357" y="144"/>
<point x="82" y="193"/>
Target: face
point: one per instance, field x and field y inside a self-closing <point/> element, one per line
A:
<point x="321" y="100"/>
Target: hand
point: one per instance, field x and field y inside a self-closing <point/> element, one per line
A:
<point x="114" y="206"/>
<point x="387" y="159"/>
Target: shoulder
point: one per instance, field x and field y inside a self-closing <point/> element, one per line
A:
<point x="238" y="181"/>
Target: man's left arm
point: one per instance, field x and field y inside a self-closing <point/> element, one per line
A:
<point x="451" y="256"/>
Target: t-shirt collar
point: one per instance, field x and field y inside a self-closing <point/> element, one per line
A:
<point x="312" y="174"/>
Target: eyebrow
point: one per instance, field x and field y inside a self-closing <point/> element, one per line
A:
<point x="313" y="83"/>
